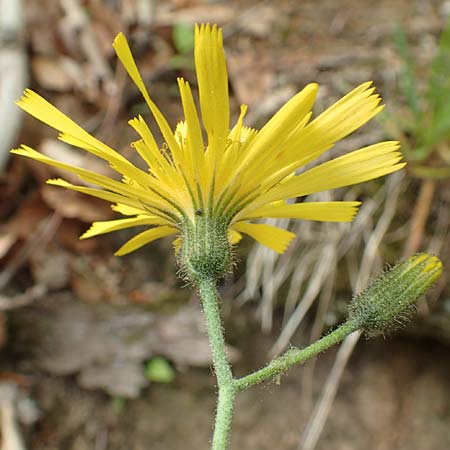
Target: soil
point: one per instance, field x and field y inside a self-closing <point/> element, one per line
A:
<point x="395" y="395"/>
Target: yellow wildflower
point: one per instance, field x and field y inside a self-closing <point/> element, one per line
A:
<point x="234" y="177"/>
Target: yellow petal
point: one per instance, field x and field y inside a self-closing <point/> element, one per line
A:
<point x="41" y="109"/>
<point x="100" y="180"/>
<point x="319" y="211"/>
<point x="362" y="165"/>
<point x="144" y="238"/>
<point x="212" y="80"/>
<point x="98" y="193"/>
<point x="123" y="52"/>
<point x="234" y="236"/>
<point x="118" y="163"/>
<point x="150" y="151"/>
<point x="120" y="224"/>
<point x="304" y="145"/>
<point x="193" y="129"/>
<point x="127" y="210"/>
<point x="280" y="126"/>
<point x="275" y="238"/>
<point x="228" y="162"/>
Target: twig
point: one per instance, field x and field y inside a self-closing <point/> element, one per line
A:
<point x="29" y="296"/>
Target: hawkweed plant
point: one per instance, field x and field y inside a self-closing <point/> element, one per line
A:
<point x="207" y="193"/>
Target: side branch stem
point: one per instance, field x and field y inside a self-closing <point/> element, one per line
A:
<point x="294" y="356"/>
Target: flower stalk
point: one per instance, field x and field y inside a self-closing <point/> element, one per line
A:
<point x="222" y="369"/>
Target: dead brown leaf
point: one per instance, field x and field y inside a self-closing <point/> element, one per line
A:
<point x="251" y="75"/>
<point x="73" y="205"/>
<point x="7" y="240"/>
<point x="56" y="74"/>
<point x="28" y="217"/>
<point x="68" y="235"/>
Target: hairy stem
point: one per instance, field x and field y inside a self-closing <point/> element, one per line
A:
<point x="228" y="387"/>
<point x="295" y="356"/>
<point x="222" y="368"/>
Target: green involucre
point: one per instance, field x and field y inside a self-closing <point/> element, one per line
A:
<point x="206" y="252"/>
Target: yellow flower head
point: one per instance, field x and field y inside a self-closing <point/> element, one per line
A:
<point x="214" y="189"/>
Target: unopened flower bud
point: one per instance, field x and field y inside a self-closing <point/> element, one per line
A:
<point x="389" y="301"/>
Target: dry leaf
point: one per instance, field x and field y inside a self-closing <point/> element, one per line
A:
<point x="27" y="218"/>
<point x="51" y="73"/>
<point x="73" y="205"/>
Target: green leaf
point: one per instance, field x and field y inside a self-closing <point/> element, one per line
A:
<point x="438" y="92"/>
<point x="158" y="370"/>
<point x="408" y="80"/>
<point x="119" y="404"/>
<point x="183" y="38"/>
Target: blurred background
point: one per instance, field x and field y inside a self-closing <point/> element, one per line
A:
<point x="107" y="353"/>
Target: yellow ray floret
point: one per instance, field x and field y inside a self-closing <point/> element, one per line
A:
<point x="308" y="142"/>
<point x="38" y="107"/>
<point x="123" y="51"/>
<point x="213" y="85"/>
<point x="144" y="238"/>
<point x="134" y="192"/>
<point x="362" y="165"/>
<point x="275" y="238"/>
<point x="319" y="211"/>
<point x="280" y="126"/>
<point x="108" y="226"/>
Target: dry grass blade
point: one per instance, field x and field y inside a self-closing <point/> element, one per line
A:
<point x="32" y="294"/>
<point x="324" y="265"/>
<point x="11" y="435"/>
